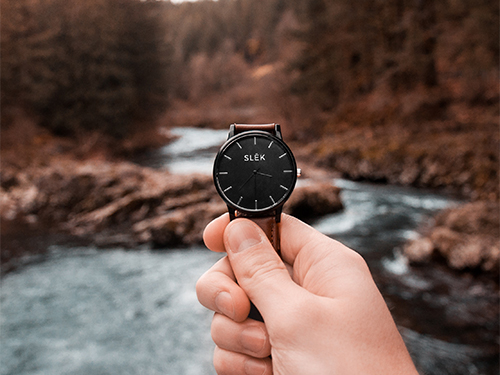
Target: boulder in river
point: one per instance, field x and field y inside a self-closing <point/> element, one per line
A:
<point x="313" y="200"/>
<point x="467" y="237"/>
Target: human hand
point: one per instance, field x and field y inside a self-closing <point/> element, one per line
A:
<point x="323" y="315"/>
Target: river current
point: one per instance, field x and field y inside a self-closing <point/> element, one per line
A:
<point x="88" y="311"/>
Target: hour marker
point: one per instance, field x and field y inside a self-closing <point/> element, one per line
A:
<point x="282" y="155"/>
<point x="229" y="188"/>
<point x="254" y="140"/>
<point x="283" y="187"/>
<point x="239" y="200"/>
<point x="270" y="144"/>
<point x="228" y="157"/>
<point x="223" y="173"/>
<point x="287" y="171"/>
<point x="272" y="200"/>
<point x="239" y="145"/>
<point x="256" y="204"/>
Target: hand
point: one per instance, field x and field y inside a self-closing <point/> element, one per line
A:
<point x="324" y="316"/>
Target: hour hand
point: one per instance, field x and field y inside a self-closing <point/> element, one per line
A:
<point x="248" y="179"/>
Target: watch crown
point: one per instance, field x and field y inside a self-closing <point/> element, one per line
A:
<point x="299" y="172"/>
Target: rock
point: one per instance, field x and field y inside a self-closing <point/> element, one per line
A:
<point x="419" y="250"/>
<point x="466" y="254"/>
<point x="445" y="240"/>
<point x="180" y="226"/>
<point x="100" y="200"/>
<point x="467" y="237"/>
<point x="481" y="217"/>
<point x="314" y="200"/>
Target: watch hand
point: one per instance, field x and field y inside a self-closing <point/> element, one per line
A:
<point x="248" y="179"/>
<point x="264" y="174"/>
<point x="255" y="188"/>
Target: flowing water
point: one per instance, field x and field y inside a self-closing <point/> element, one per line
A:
<point x="81" y="310"/>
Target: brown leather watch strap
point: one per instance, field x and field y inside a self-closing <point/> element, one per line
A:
<point x="240" y="128"/>
<point x="271" y="229"/>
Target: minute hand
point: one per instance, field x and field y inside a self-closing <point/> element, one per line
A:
<point x="264" y="174"/>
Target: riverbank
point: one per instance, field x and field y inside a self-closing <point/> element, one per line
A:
<point x="451" y="157"/>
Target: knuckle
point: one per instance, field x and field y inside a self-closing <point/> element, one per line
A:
<point x="357" y="260"/>
<point x="261" y="270"/>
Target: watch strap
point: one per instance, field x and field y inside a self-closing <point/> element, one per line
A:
<point x="269" y="224"/>
<point x="271" y="229"/>
<point x="240" y="128"/>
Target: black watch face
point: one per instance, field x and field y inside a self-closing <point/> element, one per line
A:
<point x="255" y="172"/>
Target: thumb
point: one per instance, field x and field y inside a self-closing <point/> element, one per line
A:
<point x="258" y="269"/>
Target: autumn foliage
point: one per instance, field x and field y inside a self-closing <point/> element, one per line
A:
<point x="104" y="64"/>
<point x="83" y="65"/>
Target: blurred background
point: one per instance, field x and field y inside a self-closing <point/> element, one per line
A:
<point x="112" y="112"/>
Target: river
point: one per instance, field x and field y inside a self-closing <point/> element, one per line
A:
<point x="88" y="311"/>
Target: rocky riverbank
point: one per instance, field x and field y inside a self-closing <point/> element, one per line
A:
<point x="450" y="158"/>
<point x="122" y="204"/>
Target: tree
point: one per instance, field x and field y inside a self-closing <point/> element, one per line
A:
<point x="93" y="65"/>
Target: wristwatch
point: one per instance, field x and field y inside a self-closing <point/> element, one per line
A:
<point x="255" y="172"/>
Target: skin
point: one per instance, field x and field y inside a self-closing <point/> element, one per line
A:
<point x="322" y="310"/>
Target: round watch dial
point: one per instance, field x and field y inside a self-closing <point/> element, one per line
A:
<point x="255" y="172"/>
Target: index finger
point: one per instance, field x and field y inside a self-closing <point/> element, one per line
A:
<point x="214" y="232"/>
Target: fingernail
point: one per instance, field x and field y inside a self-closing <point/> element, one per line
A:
<point x="241" y="236"/>
<point x="253" y="339"/>
<point x="255" y="366"/>
<point x="224" y="303"/>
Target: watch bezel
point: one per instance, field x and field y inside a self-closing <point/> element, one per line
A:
<point x="271" y="210"/>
